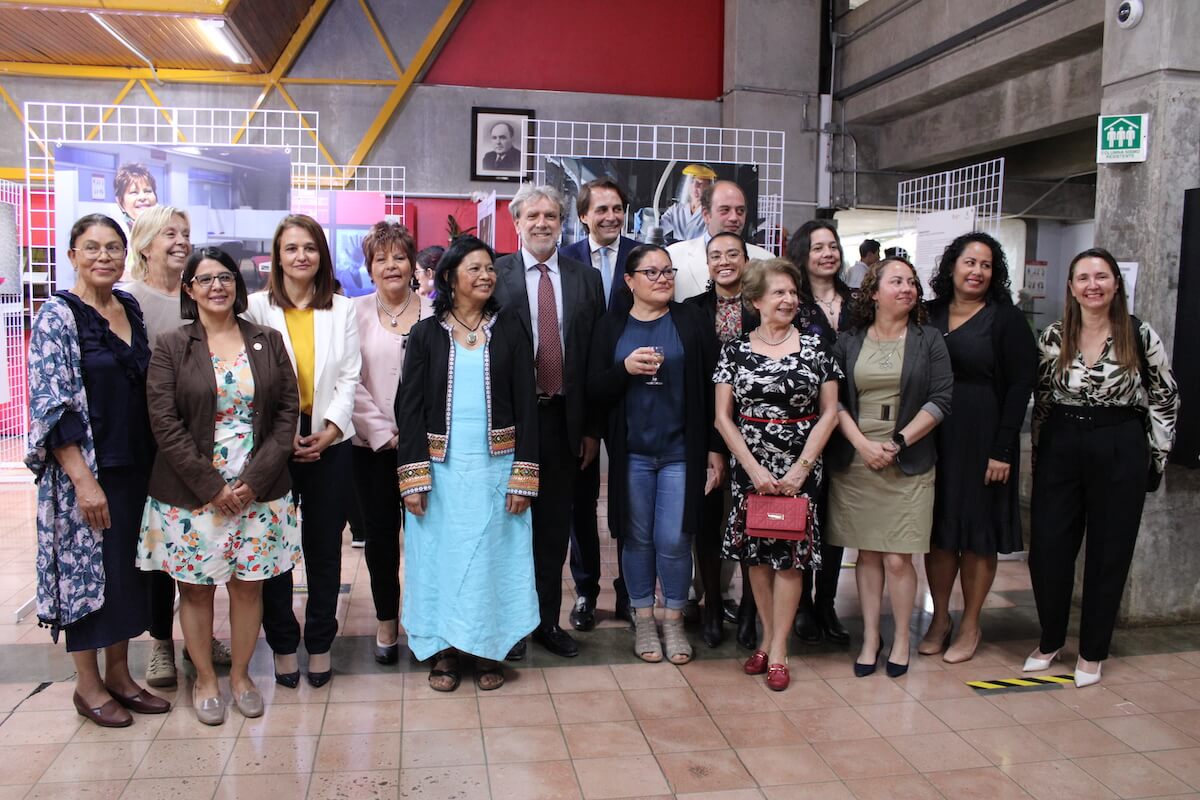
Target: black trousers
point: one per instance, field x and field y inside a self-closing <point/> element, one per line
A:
<point x="162" y="605"/>
<point x="320" y="491"/>
<point x="707" y="544"/>
<point x="825" y="581"/>
<point x="1087" y="479"/>
<point x="559" y="468"/>
<point x="378" y="495"/>
<point x="585" y="539"/>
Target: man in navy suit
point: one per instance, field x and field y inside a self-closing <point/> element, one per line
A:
<point x="601" y="207"/>
<point x="552" y="293"/>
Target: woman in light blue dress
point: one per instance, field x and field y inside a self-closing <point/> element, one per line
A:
<point x="467" y="419"/>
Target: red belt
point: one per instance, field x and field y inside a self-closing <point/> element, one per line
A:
<point x="809" y="418"/>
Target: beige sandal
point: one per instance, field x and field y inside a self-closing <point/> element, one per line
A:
<point x="645" y="638"/>
<point x="679" y="650"/>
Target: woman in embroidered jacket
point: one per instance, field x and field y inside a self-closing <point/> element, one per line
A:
<point x="467" y="418"/>
<point x="91" y="449"/>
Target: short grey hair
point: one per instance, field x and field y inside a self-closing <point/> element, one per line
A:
<point x="147" y="226"/>
<point x="529" y="192"/>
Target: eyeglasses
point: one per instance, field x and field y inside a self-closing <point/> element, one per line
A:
<point x="717" y="256"/>
<point x="226" y="279"/>
<point x="93" y="250"/>
<point x="653" y="275"/>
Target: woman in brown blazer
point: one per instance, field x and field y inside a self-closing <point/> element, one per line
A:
<point x="224" y="408"/>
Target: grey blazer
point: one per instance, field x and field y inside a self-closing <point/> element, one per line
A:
<point x="926" y="384"/>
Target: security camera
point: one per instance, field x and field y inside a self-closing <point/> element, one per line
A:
<point x="1129" y="13"/>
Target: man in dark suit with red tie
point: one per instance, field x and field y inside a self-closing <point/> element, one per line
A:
<point x="601" y="206"/>
<point x="558" y="301"/>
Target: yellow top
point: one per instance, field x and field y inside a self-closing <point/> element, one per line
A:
<point x="300" y="331"/>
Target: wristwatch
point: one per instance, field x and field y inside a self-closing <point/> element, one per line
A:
<point x="898" y="440"/>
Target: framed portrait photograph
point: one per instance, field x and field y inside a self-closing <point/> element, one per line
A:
<point x="499" y="143"/>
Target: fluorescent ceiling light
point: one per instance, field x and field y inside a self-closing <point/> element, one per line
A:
<point x="222" y="41"/>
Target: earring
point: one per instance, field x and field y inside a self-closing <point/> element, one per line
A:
<point x="414" y="284"/>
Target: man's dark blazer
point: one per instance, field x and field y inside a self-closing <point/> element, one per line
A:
<point x="508" y="161"/>
<point x="583" y="305"/>
<point x="581" y="251"/>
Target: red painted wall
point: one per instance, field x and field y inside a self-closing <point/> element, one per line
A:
<point x="426" y="217"/>
<point x="665" y="48"/>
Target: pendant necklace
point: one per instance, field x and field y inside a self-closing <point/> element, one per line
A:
<point x="886" y="361"/>
<point x="395" y="318"/>
<point x="827" y="305"/>
<point x="768" y="342"/>
<point x="472" y="337"/>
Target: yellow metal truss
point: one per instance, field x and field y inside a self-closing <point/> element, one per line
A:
<point x="273" y="81"/>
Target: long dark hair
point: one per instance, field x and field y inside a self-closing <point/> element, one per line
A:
<point x="323" y="284"/>
<point x="942" y="283"/>
<point x="446" y="274"/>
<point x="798" y="245"/>
<point x="1125" y="348"/>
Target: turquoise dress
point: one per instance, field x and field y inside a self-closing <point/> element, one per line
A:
<point x="468" y="563"/>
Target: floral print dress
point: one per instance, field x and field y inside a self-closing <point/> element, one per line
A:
<point x="776" y="403"/>
<point x="203" y="546"/>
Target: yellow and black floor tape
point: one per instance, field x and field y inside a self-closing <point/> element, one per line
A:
<point x="1022" y="683"/>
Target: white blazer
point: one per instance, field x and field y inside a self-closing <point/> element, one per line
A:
<point x="690" y="259"/>
<point x="338" y="360"/>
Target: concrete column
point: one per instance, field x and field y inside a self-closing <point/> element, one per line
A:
<point x="1154" y="68"/>
<point x="772" y="62"/>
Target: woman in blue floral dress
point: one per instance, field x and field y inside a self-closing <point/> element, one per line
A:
<point x="224" y="407"/>
<point x="91" y="449"/>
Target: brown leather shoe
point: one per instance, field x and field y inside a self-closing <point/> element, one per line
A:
<point x="143" y="702"/>
<point x="109" y="715"/>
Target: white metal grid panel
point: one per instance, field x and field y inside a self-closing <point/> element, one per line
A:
<point x="14" y="415"/>
<point x="562" y="138"/>
<point x="980" y="186"/>
<point x="371" y="178"/>
<point x="51" y="124"/>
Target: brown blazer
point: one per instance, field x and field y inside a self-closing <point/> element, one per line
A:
<point x="181" y="391"/>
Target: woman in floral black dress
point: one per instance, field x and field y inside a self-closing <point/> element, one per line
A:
<point x="776" y="407"/>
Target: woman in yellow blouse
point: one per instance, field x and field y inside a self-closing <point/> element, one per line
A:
<point x="1103" y="423"/>
<point x="321" y="335"/>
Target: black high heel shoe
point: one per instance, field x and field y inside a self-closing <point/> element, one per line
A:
<point x="863" y="670"/>
<point x="747" y="626"/>
<point x="288" y="680"/>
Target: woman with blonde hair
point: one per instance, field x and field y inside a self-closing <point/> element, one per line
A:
<point x="159" y="246"/>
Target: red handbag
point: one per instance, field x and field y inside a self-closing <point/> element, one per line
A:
<point x="773" y="516"/>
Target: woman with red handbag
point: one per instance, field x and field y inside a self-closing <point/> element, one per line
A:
<point x="776" y="405"/>
<point x="897" y="388"/>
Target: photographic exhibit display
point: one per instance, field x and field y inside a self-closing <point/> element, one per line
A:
<point x="345" y="216"/>
<point x="499" y="143"/>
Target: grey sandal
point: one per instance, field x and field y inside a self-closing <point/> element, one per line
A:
<point x="676" y="641"/>
<point x="645" y="639"/>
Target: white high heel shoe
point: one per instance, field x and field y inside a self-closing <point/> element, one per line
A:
<point x="1083" y="679"/>
<point x="1038" y="664"/>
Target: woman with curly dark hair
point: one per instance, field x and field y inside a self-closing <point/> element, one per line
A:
<point x="896" y="389"/>
<point x="976" y="512"/>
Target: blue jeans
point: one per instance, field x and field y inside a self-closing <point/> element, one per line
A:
<point x="655" y="543"/>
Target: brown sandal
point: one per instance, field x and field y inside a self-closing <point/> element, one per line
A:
<point x="451" y="672"/>
<point x="486" y="668"/>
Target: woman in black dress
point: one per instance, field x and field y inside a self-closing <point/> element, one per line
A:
<point x="976" y="506"/>
<point x="91" y="448"/>
<point x="825" y="300"/>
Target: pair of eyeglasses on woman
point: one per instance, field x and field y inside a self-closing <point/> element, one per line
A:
<point x="653" y="275"/>
<point x="93" y="250"/>
<point x="226" y="279"/>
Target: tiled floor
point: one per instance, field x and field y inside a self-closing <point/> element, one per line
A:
<point x="607" y="726"/>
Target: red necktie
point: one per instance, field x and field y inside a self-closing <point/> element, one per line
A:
<point x="549" y="355"/>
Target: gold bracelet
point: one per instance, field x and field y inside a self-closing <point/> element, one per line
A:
<point x="804" y="462"/>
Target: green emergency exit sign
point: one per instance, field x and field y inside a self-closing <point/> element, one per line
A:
<point x="1121" y="138"/>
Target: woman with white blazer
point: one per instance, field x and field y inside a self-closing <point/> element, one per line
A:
<point x="321" y="335"/>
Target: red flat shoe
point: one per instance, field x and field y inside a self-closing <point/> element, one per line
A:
<point x="778" y="677"/>
<point x="756" y="664"/>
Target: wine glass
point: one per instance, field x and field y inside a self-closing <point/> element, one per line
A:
<point x="660" y="356"/>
